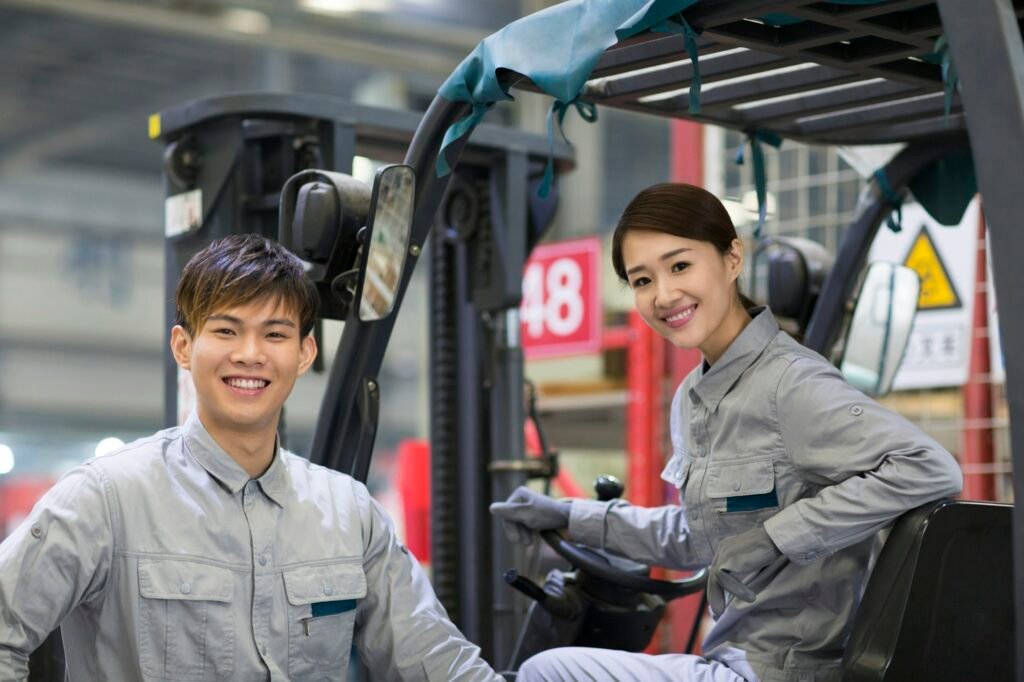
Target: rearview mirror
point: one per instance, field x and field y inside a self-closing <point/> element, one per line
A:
<point x="880" y="328"/>
<point x="388" y="225"/>
<point x="788" y="273"/>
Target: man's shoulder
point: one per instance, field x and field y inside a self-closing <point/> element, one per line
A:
<point x="136" y="456"/>
<point x="305" y="474"/>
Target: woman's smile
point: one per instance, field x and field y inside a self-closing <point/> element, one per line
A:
<point x="679" y="317"/>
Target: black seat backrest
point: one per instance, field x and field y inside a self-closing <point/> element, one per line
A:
<point x="939" y="603"/>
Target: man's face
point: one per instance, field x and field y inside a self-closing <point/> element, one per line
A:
<point x="244" y="362"/>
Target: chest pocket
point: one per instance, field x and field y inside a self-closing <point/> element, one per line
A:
<point x="322" y="602"/>
<point x="742" y="486"/>
<point x="185" y="624"/>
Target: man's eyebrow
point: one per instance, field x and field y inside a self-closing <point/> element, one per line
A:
<point x="664" y="256"/>
<point x="274" y="321"/>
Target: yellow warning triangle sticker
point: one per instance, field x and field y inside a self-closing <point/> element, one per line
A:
<point x="937" y="290"/>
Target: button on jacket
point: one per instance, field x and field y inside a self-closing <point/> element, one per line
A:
<point x="165" y="561"/>
<point x="771" y="434"/>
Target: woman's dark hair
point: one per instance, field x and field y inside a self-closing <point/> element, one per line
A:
<point x="681" y="210"/>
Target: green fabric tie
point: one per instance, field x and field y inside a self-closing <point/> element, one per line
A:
<point x="557" y="112"/>
<point x="457" y="130"/>
<point x="680" y="26"/>
<point x="941" y="57"/>
<point x="893" y="198"/>
<point x="755" y="138"/>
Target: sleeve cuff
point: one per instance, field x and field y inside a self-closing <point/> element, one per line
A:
<point x="794" y="536"/>
<point x="586" y="522"/>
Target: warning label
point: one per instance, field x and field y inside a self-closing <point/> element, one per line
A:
<point x="937" y="288"/>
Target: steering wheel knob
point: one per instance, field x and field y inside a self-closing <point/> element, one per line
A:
<point x="608" y="488"/>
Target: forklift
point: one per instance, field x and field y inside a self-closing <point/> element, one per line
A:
<point x="863" y="72"/>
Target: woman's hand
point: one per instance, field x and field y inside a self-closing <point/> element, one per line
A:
<point x="525" y="511"/>
<point x="745" y="553"/>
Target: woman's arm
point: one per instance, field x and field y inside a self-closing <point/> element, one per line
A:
<point x="875" y="465"/>
<point x="658" y="536"/>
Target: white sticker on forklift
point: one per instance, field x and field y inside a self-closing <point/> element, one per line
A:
<point x="183" y="213"/>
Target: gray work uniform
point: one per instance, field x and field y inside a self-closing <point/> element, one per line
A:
<point x="771" y="434"/>
<point x="163" y="560"/>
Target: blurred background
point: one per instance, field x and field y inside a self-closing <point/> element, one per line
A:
<point x="82" y="334"/>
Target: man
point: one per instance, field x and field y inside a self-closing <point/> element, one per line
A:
<point x="206" y="552"/>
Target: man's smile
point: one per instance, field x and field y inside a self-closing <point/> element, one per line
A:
<point x="246" y="385"/>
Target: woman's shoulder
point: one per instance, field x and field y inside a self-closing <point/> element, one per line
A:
<point x="789" y="356"/>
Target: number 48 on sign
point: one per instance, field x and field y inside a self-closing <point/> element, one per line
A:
<point x="561" y="307"/>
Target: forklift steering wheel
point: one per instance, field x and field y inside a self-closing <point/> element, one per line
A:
<point x="597" y="565"/>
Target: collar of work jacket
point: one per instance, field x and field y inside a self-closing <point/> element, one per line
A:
<point x="222" y="467"/>
<point x="712" y="384"/>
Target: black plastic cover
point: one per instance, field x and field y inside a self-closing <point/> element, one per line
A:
<point x="939" y="604"/>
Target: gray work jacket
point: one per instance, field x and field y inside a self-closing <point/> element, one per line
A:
<point x="771" y="434"/>
<point x="163" y="560"/>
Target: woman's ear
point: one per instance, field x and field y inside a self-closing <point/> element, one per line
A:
<point x="734" y="259"/>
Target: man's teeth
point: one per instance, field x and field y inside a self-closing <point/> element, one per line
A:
<point x="681" y="316"/>
<point x="247" y="384"/>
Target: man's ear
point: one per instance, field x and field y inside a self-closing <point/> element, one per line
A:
<point x="181" y="347"/>
<point x="307" y="353"/>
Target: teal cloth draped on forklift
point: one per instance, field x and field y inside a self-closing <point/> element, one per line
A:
<point x="557" y="49"/>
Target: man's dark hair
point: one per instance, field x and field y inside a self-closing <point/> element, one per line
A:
<point x="239" y="270"/>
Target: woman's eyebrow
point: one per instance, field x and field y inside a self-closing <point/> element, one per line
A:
<point x="664" y="256"/>
<point x="672" y="254"/>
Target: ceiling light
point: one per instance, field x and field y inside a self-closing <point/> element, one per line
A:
<point x="249" y="21"/>
<point x="6" y="459"/>
<point x="108" y="445"/>
<point x="345" y="6"/>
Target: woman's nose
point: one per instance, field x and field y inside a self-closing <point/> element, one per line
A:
<point x="666" y="293"/>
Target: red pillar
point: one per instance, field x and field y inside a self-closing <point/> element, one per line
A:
<point x="687" y="165"/>
<point x="977" y="453"/>
<point x="645" y="421"/>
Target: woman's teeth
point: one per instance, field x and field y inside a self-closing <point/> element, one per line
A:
<point x="685" y="315"/>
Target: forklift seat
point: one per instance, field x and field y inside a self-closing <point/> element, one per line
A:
<point x="939" y="603"/>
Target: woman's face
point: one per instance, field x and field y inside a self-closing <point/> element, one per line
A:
<point x="684" y="289"/>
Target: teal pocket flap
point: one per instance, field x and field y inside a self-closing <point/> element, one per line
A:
<point x="330" y="608"/>
<point x="751" y="502"/>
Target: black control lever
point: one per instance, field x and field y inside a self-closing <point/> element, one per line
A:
<point x="525" y="585"/>
<point x="557" y="603"/>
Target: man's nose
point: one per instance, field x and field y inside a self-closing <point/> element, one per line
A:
<point x="249" y="350"/>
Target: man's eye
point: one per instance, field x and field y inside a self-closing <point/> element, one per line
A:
<point x="680" y="266"/>
<point x="277" y="335"/>
<point x="224" y="331"/>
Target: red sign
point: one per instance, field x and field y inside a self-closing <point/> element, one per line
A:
<point x="561" y="308"/>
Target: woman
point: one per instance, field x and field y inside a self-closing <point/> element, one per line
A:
<point x="786" y="473"/>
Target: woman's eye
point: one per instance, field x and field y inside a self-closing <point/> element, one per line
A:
<point x="639" y="282"/>
<point x="680" y="266"/>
